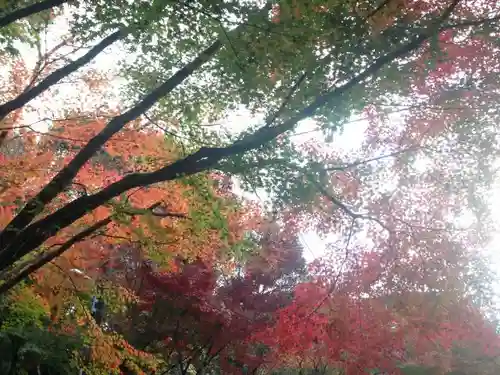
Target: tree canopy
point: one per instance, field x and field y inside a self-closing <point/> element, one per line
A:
<point x="132" y="134"/>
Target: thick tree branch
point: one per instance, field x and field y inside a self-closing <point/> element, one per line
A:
<point x="20" y="244"/>
<point x="19" y="275"/>
<point x="35" y="234"/>
<point x="32" y="92"/>
<point x="35" y="205"/>
<point x="16" y="275"/>
<point x="57" y="75"/>
<point x="29" y="10"/>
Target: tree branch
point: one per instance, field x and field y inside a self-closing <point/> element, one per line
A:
<point x="367" y="161"/>
<point x="337" y="202"/>
<point x="32" y="92"/>
<point x="377" y="9"/>
<point x="62" y="179"/>
<point x="286" y="100"/>
<point x="29" y="10"/>
<point x="36" y="205"/>
<point x="47" y="257"/>
<point x="17" y="244"/>
<point x="24" y="270"/>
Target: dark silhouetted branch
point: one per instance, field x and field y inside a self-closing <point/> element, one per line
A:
<point x="18" y="14"/>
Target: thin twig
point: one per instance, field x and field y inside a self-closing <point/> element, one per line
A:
<point x="286" y="100"/>
<point x="377" y="158"/>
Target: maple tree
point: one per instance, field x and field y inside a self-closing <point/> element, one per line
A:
<point x="197" y="206"/>
<point x="249" y="293"/>
<point x="200" y="160"/>
<point x="193" y="218"/>
<point x="140" y="175"/>
<point x="204" y="317"/>
<point x="342" y="328"/>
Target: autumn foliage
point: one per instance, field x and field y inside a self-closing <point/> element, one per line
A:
<point x="126" y="221"/>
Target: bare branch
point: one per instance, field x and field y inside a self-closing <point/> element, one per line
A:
<point x="354" y="215"/>
<point x="377" y="158"/>
<point x="286" y="100"/>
